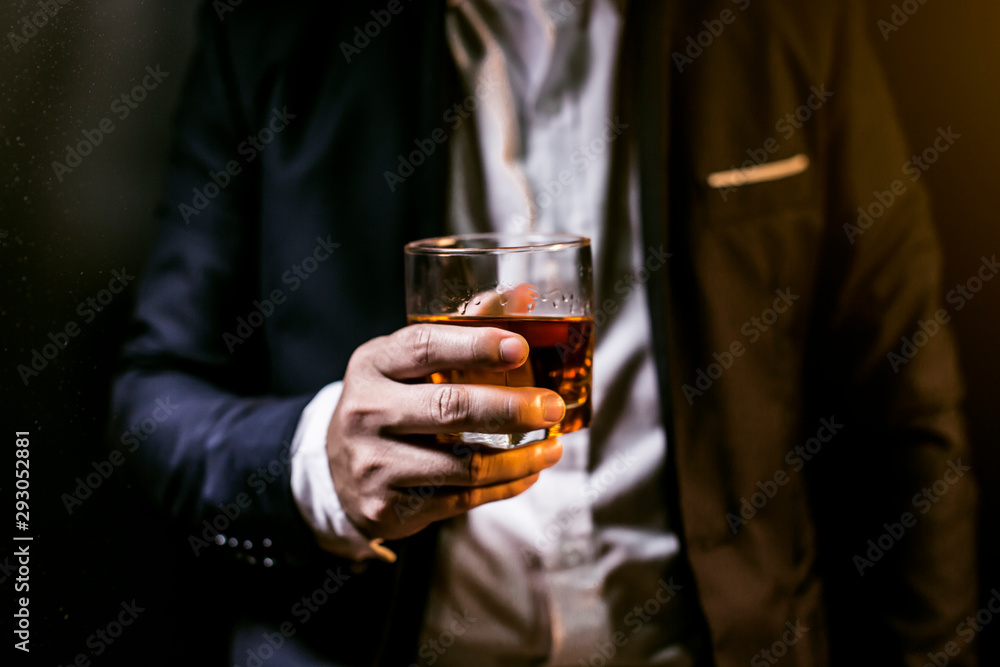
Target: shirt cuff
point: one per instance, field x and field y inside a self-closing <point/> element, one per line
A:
<point x="312" y="484"/>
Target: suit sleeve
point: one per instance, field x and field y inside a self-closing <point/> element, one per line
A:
<point x="899" y="504"/>
<point x="218" y="462"/>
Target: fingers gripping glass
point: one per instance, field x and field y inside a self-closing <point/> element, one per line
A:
<point x="536" y="285"/>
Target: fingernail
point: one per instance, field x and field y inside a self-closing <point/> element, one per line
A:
<point x="513" y="350"/>
<point x="553" y="452"/>
<point x="553" y="409"/>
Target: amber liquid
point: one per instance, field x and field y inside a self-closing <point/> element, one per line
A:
<point x="560" y="356"/>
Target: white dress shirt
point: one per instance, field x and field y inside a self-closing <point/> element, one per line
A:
<point x="579" y="569"/>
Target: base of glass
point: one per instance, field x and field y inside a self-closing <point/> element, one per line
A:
<point x="504" y="440"/>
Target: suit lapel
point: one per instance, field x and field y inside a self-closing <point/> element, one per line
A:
<point x="646" y="99"/>
<point x="423" y="210"/>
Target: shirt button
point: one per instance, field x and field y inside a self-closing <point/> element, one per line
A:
<point x="573" y="554"/>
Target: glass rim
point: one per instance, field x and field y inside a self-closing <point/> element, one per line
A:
<point x="519" y="243"/>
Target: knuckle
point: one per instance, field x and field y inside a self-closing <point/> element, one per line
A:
<point x="354" y="416"/>
<point x="359" y="365"/>
<point x="479" y="343"/>
<point x="451" y="404"/>
<point x="375" y="509"/>
<point x="364" y="468"/>
<point x="367" y="469"/>
<point x="467" y="499"/>
<point x="421" y="344"/>
<point x="518" y="410"/>
<point x="477" y="468"/>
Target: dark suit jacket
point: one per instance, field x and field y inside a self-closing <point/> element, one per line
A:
<point x="232" y="247"/>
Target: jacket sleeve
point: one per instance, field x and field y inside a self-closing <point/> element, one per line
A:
<point x="898" y="506"/>
<point x="211" y="445"/>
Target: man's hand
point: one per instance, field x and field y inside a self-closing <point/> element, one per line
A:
<point x="381" y="438"/>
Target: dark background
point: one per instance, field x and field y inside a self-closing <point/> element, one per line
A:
<point x="60" y="241"/>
